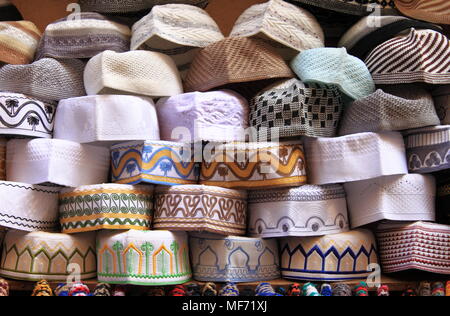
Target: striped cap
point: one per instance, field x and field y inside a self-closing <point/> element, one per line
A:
<point x="85" y="37"/>
<point x="18" y="42"/>
<point x="374" y="30"/>
<point x="420" y="56"/>
<point x="176" y="30"/>
<point x="436" y="11"/>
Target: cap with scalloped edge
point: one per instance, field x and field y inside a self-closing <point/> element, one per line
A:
<point x="136" y="72"/>
<point x="333" y="66"/>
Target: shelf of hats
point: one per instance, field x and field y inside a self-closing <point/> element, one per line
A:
<point x="225" y="148"/>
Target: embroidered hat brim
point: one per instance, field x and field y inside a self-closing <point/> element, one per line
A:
<point x="253" y="166"/>
<point x="285" y="27"/>
<point x="213" y="209"/>
<point x="143" y="257"/>
<point x="21" y="115"/>
<point x="298" y="212"/>
<point x="56" y="161"/>
<point x="106" y="206"/>
<point x="395" y="198"/>
<point x="39" y="256"/>
<point x="355" y="157"/>
<point x="29" y="207"/>
<point x="84" y="37"/>
<point x="414" y="246"/>
<point x="309" y="259"/>
<point x="219" y="258"/>
<point x="106" y="119"/>
<point x="156" y="162"/>
<point x="428" y="149"/>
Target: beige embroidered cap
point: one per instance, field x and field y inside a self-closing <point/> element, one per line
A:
<point x="136" y="72"/>
<point x="177" y="30"/>
<point x="235" y="60"/>
<point x="284" y="26"/>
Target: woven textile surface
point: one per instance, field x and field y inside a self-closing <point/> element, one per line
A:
<point x="335" y="67"/>
<point x="294" y="108"/>
<point x="136" y="72"/>
<point x="422" y="246"/>
<point x="285" y="27"/>
<point x="235" y="60"/>
<point x="176" y="30"/>
<point x="409" y="197"/>
<point x="46" y="79"/>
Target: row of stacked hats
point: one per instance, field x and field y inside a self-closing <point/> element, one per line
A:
<point x="351" y="156"/>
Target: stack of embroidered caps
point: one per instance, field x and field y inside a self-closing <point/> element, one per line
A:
<point x="238" y="159"/>
<point x="408" y="60"/>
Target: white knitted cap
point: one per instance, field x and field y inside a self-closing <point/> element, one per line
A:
<point x="136" y="72"/>
<point x="47" y="79"/>
<point x="395" y="109"/>
<point x="177" y="30"/>
<point x="286" y="27"/>
<point x="105" y="119"/>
